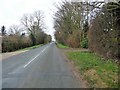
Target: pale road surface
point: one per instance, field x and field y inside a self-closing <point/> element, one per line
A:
<point x="43" y="67"/>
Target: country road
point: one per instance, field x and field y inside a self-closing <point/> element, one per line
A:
<point x="43" y="67"/>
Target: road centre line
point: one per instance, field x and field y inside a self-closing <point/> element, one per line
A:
<point x="35" y="57"/>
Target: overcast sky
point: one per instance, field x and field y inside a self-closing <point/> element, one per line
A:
<point x="11" y="11"/>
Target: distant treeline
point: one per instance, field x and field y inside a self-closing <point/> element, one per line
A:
<point x="93" y="25"/>
<point x="30" y="34"/>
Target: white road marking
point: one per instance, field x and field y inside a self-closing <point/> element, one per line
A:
<point x="35" y="57"/>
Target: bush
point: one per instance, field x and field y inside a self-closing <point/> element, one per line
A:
<point x="73" y="40"/>
<point x="12" y="43"/>
<point x="103" y="36"/>
<point x="84" y="43"/>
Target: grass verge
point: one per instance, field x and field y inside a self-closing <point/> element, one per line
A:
<point x="98" y="72"/>
<point x="62" y="46"/>
<point x="29" y="48"/>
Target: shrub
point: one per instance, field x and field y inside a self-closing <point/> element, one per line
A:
<point x="84" y="43"/>
<point x="12" y="43"/>
<point x="73" y="40"/>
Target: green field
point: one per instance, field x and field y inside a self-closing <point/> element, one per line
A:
<point x="97" y="71"/>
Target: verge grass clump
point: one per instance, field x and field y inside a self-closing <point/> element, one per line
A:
<point x="97" y="71"/>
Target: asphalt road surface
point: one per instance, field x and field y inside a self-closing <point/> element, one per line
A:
<point x="43" y="67"/>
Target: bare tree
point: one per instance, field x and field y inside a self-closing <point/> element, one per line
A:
<point x="15" y="30"/>
<point x="36" y="19"/>
<point x="34" y="24"/>
<point x="67" y="23"/>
